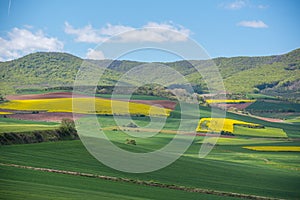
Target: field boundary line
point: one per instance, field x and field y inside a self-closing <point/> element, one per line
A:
<point x="146" y="183"/>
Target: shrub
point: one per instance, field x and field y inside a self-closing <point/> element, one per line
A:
<point x="131" y="125"/>
<point x="67" y="127"/>
<point x="130" y="141"/>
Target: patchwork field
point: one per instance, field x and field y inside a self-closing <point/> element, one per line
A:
<point x="250" y="172"/>
<point x="203" y="173"/>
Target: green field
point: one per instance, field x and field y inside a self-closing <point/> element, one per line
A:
<point x="244" y="141"/>
<point x="13" y="125"/>
<point x="294" y="120"/>
<point x="273" y="105"/>
<point x="260" y="96"/>
<point x="249" y="178"/>
<point x="44" y="185"/>
<point x="274" y="109"/>
<point x="259" y="132"/>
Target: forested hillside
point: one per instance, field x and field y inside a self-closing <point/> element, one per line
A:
<point x="277" y="75"/>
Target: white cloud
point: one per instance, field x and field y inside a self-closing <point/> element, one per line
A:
<point x="27" y="26"/>
<point x="263" y="6"/>
<point x="235" y="5"/>
<point x="239" y="4"/>
<point x="253" y="24"/>
<point x="150" y="32"/>
<point x="114" y="29"/>
<point x="85" y="34"/>
<point x="22" y="41"/>
<point x="95" y="55"/>
<point x="169" y="26"/>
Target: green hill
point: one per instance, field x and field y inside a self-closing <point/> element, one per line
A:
<point x="277" y="75"/>
<point x="43" y="70"/>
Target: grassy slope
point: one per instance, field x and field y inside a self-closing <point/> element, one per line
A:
<point x="60" y="186"/>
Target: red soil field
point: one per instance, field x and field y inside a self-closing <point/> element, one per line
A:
<point x="51" y="95"/>
<point x="44" y="116"/>
<point x="239" y="106"/>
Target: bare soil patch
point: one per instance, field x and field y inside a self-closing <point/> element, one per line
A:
<point x="239" y="106"/>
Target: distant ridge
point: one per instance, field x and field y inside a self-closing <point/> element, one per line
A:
<point x="277" y="75"/>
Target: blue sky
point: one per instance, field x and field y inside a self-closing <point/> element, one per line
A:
<point x="222" y="27"/>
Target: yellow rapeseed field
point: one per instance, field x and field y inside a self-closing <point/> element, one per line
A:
<point x="219" y="124"/>
<point x="273" y="148"/>
<point x="86" y="106"/>
<point x="5" y="113"/>
<point x="212" y="101"/>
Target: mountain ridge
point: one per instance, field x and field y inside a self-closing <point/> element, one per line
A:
<point x="278" y="75"/>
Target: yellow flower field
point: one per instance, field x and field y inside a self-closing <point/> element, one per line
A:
<point x="220" y="124"/>
<point x="5" y="113"/>
<point x="86" y="106"/>
<point x="212" y="101"/>
<point x="273" y="148"/>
